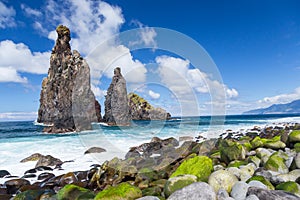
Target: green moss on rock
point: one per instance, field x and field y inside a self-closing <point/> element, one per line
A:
<point x="297" y="147"/>
<point x="294" y="136"/>
<point x="29" y="194"/>
<point x="231" y="151"/>
<point x="289" y="186"/>
<point x="276" y="163"/>
<point x="262" y="180"/>
<point x="74" y="192"/>
<point x="120" y="192"/>
<point x="273" y="143"/>
<point x="200" y="166"/>
<point x="177" y="183"/>
<point x="237" y="163"/>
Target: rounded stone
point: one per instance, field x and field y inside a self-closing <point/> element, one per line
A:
<point x="222" y="179"/>
<point x="239" y="190"/>
<point x="257" y="184"/>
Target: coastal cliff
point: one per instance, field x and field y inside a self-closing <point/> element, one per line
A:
<point x="67" y="102"/>
<point x="116" y="102"/>
<point x="140" y="109"/>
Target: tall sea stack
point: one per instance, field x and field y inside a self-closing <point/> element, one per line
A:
<point x="67" y="102"/>
<point x="116" y="101"/>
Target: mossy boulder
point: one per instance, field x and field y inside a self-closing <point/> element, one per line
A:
<point x="294" y="136"/>
<point x="74" y="192"/>
<point x="152" y="191"/>
<point x="177" y="183"/>
<point x="222" y="179"/>
<point x="276" y="163"/>
<point x="200" y="166"/>
<point x="29" y="194"/>
<point x="120" y="192"/>
<point x="273" y="143"/>
<point x="289" y="186"/>
<point x="231" y="151"/>
<point x="262" y="180"/>
<point x="297" y="147"/>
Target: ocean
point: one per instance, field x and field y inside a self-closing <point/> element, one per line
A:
<point x="21" y="139"/>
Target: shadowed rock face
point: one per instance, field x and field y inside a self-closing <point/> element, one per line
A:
<point x="116" y="102"/>
<point x="66" y="99"/>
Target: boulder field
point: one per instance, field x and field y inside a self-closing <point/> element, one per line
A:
<point x="263" y="163"/>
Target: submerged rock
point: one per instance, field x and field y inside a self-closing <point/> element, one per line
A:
<point x="66" y="100"/>
<point x="116" y="102"/>
<point x="95" y="150"/>
<point x="48" y="161"/>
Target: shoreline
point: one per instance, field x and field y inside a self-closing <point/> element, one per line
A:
<point x="137" y="152"/>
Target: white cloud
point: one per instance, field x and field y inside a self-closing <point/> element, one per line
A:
<point x="98" y="92"/>
<point x="31" y="12"/>
<point x="19" y="58"/>
<point x="175" y="72"/>
<point x="146" y="35"/>
<point x="9" y="74"/>
<point x="7" y="15"/>
<point x="153" y="95"/>
<point x="92" y="23"/>
<point x="279" y="99"/>
<point x="18" y="116"/>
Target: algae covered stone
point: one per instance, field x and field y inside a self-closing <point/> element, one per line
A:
<point x="200" y="166"/>
<point x="222" y="179"/>
<point x="178" y="182"/>
<point x="276" y="163"/>
<point x="231" y="151"/>
<point x="120" y="192"/>
<point x="289" y="186"/>
<point x="73" y="192"/>
<point x="294" y="136"/>
<point x="262" y="180"/>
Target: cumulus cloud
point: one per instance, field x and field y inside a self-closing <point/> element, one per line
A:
<point x="177" y="75"/>
<point x="19" y="58"/>
<point x="146" y="35"/>
<point x="9" y="74"/>
<point x="7" y="15"/>
<point x="153" y="95"/>
<point x="98" y="92"/>
<point x="92" y="23"/>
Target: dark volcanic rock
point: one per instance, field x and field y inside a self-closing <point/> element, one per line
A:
<point x="140" y="109"/>
<point x="66" y="100"/>
<point x="14" y="185"/>
<point x="4" y="173"/>
<point x="48" y="161"/>
<point x="95" y="150"/>
<point x="116" y="102"/>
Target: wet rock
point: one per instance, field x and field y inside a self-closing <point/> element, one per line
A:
<point x="45" y="176"/>
<point x="71" y="192"/>
<point x="116" y="101"/>
<point x="48" y="161"/>
<point x="68" y="178"/>
<point x="95" y="150"/>
<point x="33" y="157"/>
<point x="29" y="176"/>
<point x="198" y="190"/>
<point x="231" y="151"/>
<point x="264" y="194"/>
<point x="15" y="184"/>
<point x="152" y="191"/>
<point x="4" y="173"/>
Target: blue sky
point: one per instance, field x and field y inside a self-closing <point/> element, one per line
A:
<point x="254" y="44"/>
